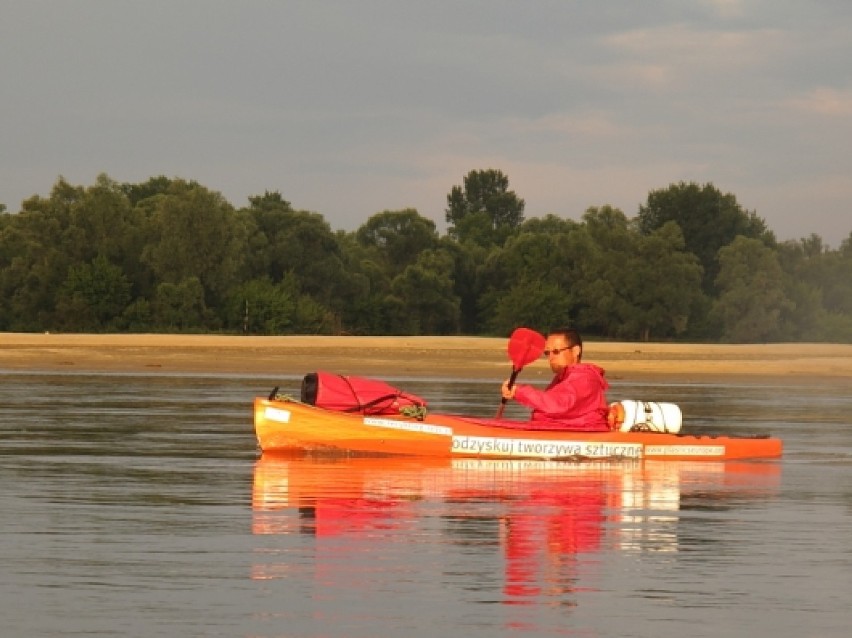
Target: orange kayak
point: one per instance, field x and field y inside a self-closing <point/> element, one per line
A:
<point x="283" y="425"/>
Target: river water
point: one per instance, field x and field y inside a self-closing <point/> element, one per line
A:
<point x="138" y="506"/>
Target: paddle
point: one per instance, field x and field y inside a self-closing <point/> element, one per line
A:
<point x="525" y="346"/>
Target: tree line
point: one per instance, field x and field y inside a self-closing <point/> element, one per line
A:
<point x="170" y="255"/>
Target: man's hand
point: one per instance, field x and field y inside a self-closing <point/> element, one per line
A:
<point x="506" y="391"/>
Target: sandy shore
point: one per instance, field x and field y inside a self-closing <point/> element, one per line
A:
<point x="469" y="357"/>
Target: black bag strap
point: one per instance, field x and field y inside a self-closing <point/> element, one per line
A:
<point x="363" y="407"/>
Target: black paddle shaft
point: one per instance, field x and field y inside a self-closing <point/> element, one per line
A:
<point x="504" y="400"/>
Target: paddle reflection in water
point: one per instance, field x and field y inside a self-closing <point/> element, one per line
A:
<point x="534" y="530"/>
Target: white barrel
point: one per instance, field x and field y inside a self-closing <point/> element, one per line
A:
<point x="651" y="416"/>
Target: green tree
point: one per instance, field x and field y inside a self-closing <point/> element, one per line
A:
<point x="39" y="244"/>
<point x="180" y="307"/>
<point x="483" y="211"/>
<point x="840" y="295"/>
<point x="426" y="290"/>
<point x="558" y="253"/>
<point x="368" y="282"/>
<point x="269" y="215"/>
<point x="195" y="235"/>
<point x="312" y="317"/>
<point x="397" y="237"/>
<point x="660" y="288"/>
<point x="371" y="307"/>
<point x="105" y="224"/>
<point x="152" y="187"/>
<point x="752" y="304"/>
<point x="93" y="297"/>
<point x="466" y="277"/>
<point x="539" y="251"/>
<point x="708" y="219"/>
<point x="138" y="316"/>
<point x="262" y="307"/>
<point x="621" y="283"/>
<point x="536" y="304"/>
<point x="14" y="266"/>
<point x="549" y="224"/>
<point x="819" y="282"/>
<point x="601" y="250"/>
<point x="301" y="243"/>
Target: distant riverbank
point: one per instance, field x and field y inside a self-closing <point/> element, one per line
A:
<point x="467" y="357"/>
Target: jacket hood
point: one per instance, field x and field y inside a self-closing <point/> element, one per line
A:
<point x="590" y="371"/>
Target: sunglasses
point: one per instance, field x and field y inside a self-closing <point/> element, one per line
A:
<point x="555" y="351"/>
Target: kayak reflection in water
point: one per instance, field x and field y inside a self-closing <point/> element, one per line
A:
<point x="538" y="513"/>
<point x="549" y="520"/>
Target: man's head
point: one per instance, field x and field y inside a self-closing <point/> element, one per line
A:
<point x="564" y="347"/>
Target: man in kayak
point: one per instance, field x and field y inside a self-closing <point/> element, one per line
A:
<point x="575" y="398"/>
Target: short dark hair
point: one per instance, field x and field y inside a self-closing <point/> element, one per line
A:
<point x="571" y="336"/>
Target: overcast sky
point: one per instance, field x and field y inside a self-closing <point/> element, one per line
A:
<point x="352" y="107"/>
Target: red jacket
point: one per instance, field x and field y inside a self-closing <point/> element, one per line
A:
<point x="574" y="400"/>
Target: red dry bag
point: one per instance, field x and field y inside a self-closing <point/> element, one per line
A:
<point x="355" y="394"/>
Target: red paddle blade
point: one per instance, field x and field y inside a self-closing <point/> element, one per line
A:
<point x="525" y="346"/>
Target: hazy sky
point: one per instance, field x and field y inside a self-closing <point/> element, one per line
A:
<point x="352" y="107"/>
